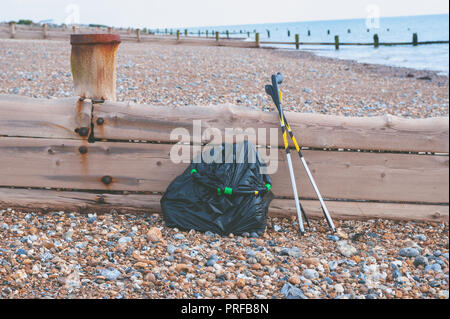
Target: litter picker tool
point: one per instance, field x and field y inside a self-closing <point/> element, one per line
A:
<point x="277" y="98"/>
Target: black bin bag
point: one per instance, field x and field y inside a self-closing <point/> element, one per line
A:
<point x="224" y="191"/>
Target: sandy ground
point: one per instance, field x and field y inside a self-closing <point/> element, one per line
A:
<point x="68" y="255"/>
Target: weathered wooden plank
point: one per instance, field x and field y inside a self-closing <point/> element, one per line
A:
<point x="148" y="167"/>
<point x="363" y="210"/>
<point x="155" y="123"/>
<point x="28" y="117"/>
<point x="47" y="200"/>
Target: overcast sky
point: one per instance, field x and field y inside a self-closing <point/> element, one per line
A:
<point x="189" y="13"/>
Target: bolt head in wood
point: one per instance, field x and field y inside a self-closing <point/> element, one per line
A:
<point x="106" y="179"/>
<point x="82" y="131"/>
<point x="83" y="149"/>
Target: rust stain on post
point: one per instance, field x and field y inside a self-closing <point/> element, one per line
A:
<point x="93" y="62"/>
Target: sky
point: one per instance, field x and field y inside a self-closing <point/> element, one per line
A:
<point x="191" y="13"/>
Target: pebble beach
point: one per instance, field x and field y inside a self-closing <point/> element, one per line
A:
<point x="199" y="75"/>
<point x="63" y="254"/>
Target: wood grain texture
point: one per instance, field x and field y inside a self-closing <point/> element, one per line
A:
<point x="26" y="162"/>
<point x="126" y="121"/>
<point x="47" y="200"/>
<point x="28" y="117"/>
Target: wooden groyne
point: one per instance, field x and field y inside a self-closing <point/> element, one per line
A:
<point x="215" y="38"/>
<point x="96" y="154"/>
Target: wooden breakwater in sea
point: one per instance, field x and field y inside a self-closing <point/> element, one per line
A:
<point x="166" y="36"/>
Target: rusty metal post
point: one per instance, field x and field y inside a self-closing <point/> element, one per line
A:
<point x="93" y="62"/>
<point x="12" y="29"/>
<point x="44" y="30"/>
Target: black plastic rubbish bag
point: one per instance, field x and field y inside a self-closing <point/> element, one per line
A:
<point x="225" y="191"/>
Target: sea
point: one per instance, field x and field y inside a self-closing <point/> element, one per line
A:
<point x="434" y="57"/>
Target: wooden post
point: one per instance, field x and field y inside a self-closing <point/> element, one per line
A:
<point x="178" y="35"/>
<point x="138" y="35"/>
<point x="248" y="34"/>
<point x="376" y="41"/>
<point x="199" y="33"/>
<point x="93" y="62"/>
<point x="74" y="29"/>
<point x="415" y="39"/>
<point x="268" y="33"/>
<point x="349" y="31"/>
<point x="44" y="30"/>
<point x="228" y="34"/>
<point x="110" y="30"/>
<point x="257" y="39"/>
<point x="309" y="33"/>
<point x="185" y="32"/>
<point x="289" y="33"/>
<point x="217" y="36"/>
<point x="206" y="33"/>
<point x="328" y="31"/>
<point x="12" y="29"/>
<point x="336" y="42"/>
<point x="297" y="41"/>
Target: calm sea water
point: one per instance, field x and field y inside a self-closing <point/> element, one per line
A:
<point x="393" y="29"/>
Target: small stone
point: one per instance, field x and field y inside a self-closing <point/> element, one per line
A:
<point x="420" y="261"/>
<point x="178" y="236"/>
<point x="110" y="274"/>
<point x="212" y="260"/>
<point x="293" y="252"/>
<point x="311" y="261"/>
<point x="310" y="274"/>
<point x="339" y="289"/>
<point x="72" y="281"/>
<point x="181" y="268"/>
<point x="292" y="292"/>
<point x="171" y="249"/>
<point x="67" y="236"/>
<point x="124" y="240"/>
<point x="333" y="238"/>
<point x="341" y="234"/>
<point x="21" y="251"/>
<point x="265" y="262"/>
<point x="409" y="252"/>
<point x="150" y="277"/>
<point x="154" y="234"/>
<point x="240" y="283"/>
<point x="420" y="237"/>
<point x="435" y="267"/>
<point x="295" y="280"/>
<point x="346" y="249"/>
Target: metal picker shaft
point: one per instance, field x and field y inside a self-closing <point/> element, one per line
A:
<point x="311" y="178"/>
<point x="277" y="98"/>
<point x="298" y="206"/>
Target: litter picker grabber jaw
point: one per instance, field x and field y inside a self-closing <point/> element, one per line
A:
<point x="276" y="95"/>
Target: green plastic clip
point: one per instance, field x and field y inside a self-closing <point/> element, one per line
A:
<point x="268" y="186"/>
<point x="219" y="191"/>
<point x="193" y="171"/>
<point x="228" y="190"/>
